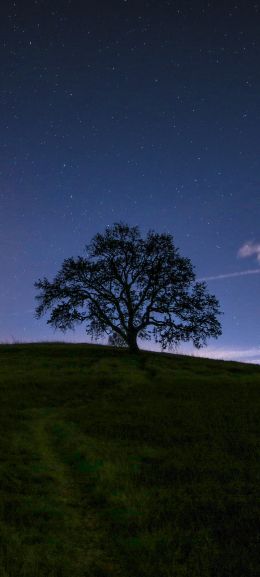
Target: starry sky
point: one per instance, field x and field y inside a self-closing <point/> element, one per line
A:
<point x="142" y="111"/>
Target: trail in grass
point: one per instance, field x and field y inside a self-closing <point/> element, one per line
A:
<point x="79" y="531"/>
<point x="144" y="466"/>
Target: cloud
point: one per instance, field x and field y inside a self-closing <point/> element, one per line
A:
<point x="249" y="249"/>
<point x="231" y="274"/>
<point x="251" y="355"/>
<point x="246" y="250"/>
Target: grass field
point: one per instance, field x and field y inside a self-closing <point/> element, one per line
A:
<point x="128" y="466"/>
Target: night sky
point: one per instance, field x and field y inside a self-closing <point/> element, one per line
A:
<point x="146" y="112"/>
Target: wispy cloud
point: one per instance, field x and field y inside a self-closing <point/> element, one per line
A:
<point x="249" y="249"/>
<point x="251" y="355"/>
<point x="231" y="274"/>
<point x="246" y="250"/>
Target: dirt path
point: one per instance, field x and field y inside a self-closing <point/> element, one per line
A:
<point x="80" y="530"/>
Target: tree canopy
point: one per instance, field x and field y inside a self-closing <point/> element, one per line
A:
<point x="133" y="287"/>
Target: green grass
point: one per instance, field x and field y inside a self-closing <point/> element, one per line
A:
<point x="128" y="466"/>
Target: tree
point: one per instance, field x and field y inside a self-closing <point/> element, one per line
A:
<point x="115" y="340"/>
<point x="131" y="287"/>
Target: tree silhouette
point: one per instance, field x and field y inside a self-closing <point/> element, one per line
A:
<point x="115" y="340"/>
<point x="131" y="287"/>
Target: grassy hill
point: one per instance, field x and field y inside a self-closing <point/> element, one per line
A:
<point x="131" y="466"/>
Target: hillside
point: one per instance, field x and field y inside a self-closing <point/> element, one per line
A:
<point x="128" y="466"/>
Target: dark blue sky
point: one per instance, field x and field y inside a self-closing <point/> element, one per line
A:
<point x="141" y="111"/>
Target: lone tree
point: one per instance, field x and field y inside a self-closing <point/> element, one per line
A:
<point x="131" y="287"/>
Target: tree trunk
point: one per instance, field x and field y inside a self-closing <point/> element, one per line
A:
<point x="132" y="342"/>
